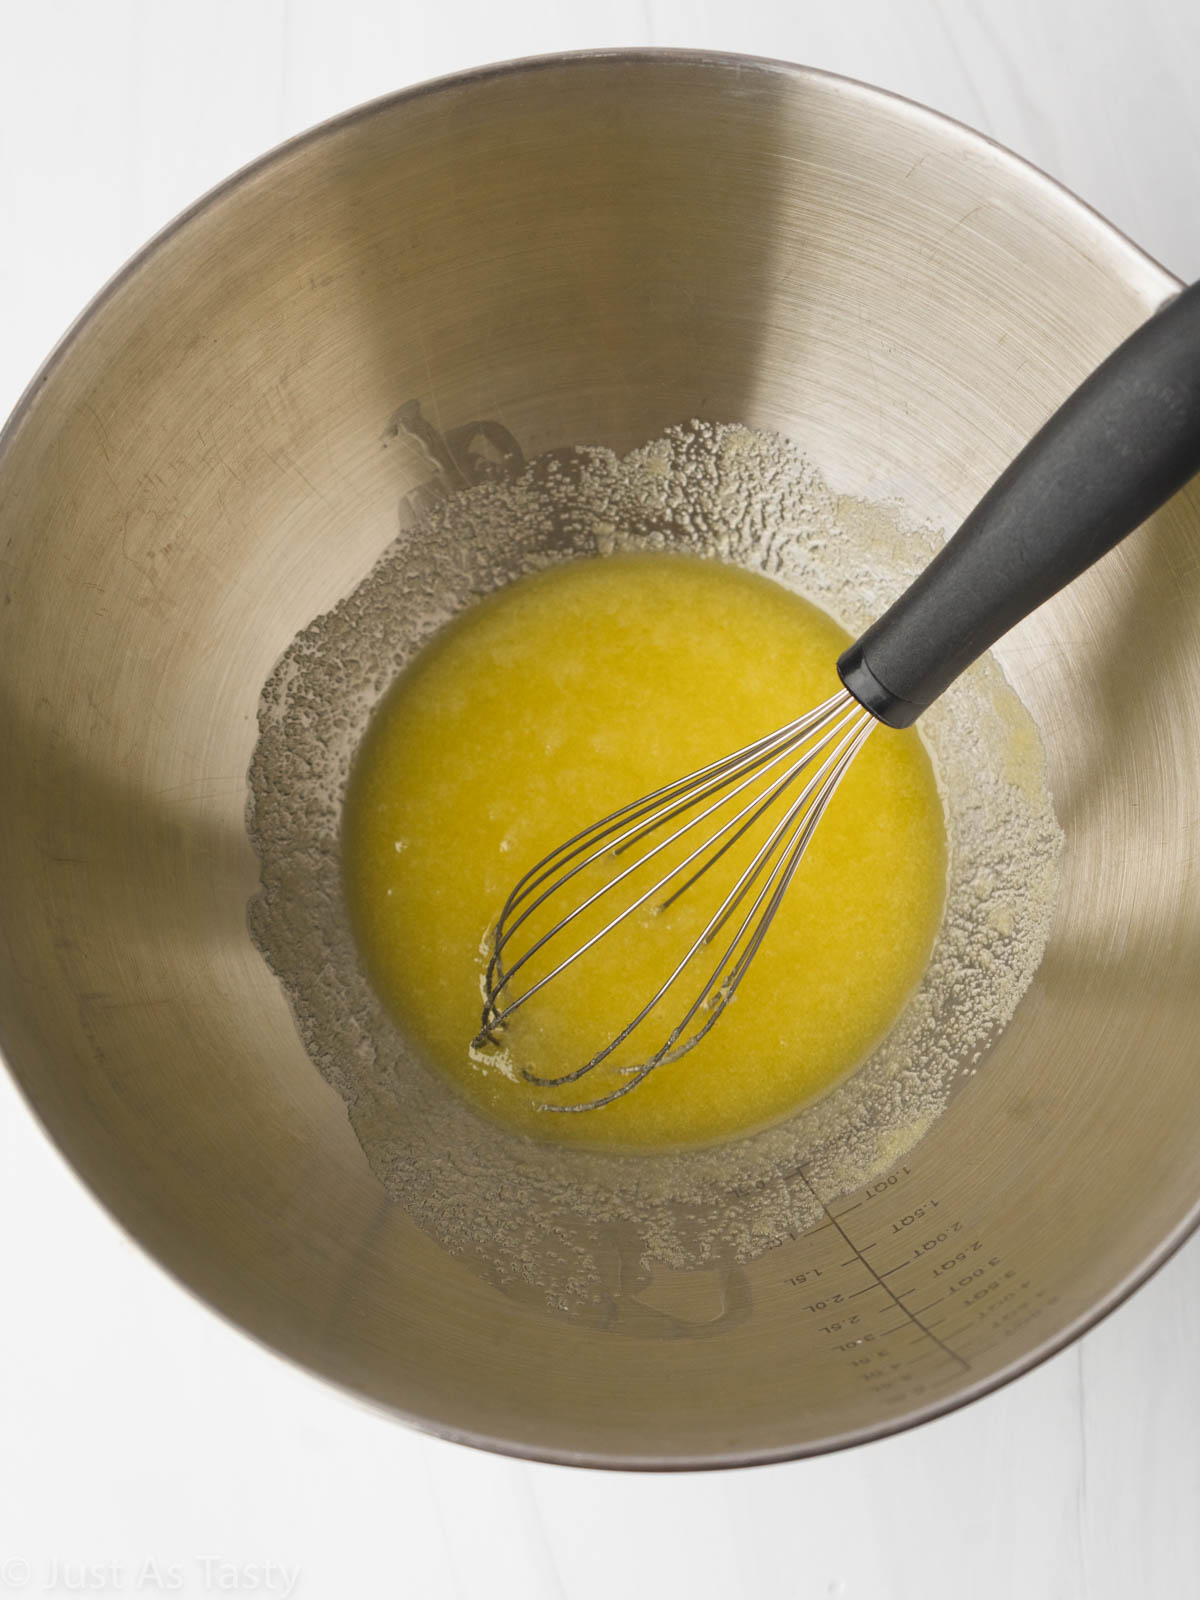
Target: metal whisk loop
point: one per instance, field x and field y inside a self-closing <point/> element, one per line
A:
<point x="765" y="754"/>
<point x="725" y="910"/>
<point x="665" y="804"/>
<point x="802" y="817"/>
<point x="831" y="736"/>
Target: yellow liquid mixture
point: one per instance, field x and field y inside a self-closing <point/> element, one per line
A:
<point x="549" y="705"/>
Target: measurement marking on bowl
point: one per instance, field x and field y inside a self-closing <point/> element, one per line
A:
<point x="878" y="1278"/>
<point x="976" y="1294"/>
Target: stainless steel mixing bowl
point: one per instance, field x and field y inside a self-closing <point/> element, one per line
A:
<point x="577" y="249"/>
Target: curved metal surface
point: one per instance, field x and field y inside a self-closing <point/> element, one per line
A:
<point x="584" y="249"/>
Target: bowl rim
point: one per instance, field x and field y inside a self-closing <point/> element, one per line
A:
<point x="1137" y="268"/>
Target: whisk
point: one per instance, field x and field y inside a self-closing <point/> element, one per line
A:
<point x="1120" y="446"/>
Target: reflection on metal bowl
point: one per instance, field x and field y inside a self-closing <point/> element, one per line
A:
<point x="584" y="249"/>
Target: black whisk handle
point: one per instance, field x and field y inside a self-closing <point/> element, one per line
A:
<point x="1112" y="453"/>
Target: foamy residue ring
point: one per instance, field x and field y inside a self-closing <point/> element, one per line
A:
<point x="541" y="1219"/>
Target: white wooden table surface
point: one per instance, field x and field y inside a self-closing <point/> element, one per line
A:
<point x="149" y="1448"/>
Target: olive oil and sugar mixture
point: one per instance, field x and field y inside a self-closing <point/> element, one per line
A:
<point x="551" y="703"/>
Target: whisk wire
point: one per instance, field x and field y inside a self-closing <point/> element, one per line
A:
<point x="768" y="801"/>
<point x="800" y="808"/>
<point x="800" y="732"/>
<point x="498" y="1016"/>
<point x="581" y="841"/>
<point x="498" y="977"/>
<point x="763" y="752"/>
<point x="839" y="760"/>
<point x="831" y="735"/>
